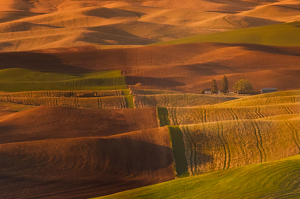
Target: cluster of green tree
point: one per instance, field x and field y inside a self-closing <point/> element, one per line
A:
<point x="241" y="86"/>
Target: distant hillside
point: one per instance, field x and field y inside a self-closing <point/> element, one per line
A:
<point x="184" y="67"/>
<point x="274" y="35"/>
<point x="43" y="24"/>
<point x="17" y="79"/>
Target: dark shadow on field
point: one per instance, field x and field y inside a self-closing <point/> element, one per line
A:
<point x="223" y="12"/>
<point x="26" y="6"/>
<point x="112" y="12"/>
<point x="242" y="5"/>
<point x="84" y="169"/>
<point x="184" y="163"/>
<point x="39" y="62"/>
<point x="152" y="81"/>
<point x="14" y="15"/>
<point x="5" y="44"/>
<point x="279" y="50"/>
<point x="27" y="26"/>
<point x="204" y="69"/>
<point x="163" y="116"/>
<point x="112" y="35"/>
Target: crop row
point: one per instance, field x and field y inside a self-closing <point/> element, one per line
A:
<point x="221" y="145"/>
<point x="195" y="115"/>
<point x="112" y="102"/>
<point x="175" y="100"/>
<point x="81" y="93"/>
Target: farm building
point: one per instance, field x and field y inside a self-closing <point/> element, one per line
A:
<point x="207" y="91"/>
<point x="268" y="90"/>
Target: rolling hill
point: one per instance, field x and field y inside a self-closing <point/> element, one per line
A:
<point x="233" y="183"/>
<point x="99" y="97"/>
<point x="184" y="67"/>
<point x="43" y="123"/>
<point x="30" y="25"/>
<point x="17" y="79"/>
<point x="275" y="35"/>
<point x="85" y="167"/>
<point x="202" y="139"/>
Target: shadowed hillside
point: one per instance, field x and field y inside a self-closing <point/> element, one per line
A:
<point x="186" y="67"/>
<point x="57" y="122"/>
<point x="85" y="167"/>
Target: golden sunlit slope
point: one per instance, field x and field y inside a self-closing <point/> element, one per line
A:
<point x="28" y="25"/>
<point x="46" y="6"/>
<point x="186" y="67"/>
<point x="286" y="11"/>
<point x="85" y="167"/>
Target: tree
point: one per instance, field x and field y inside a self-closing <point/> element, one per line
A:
<point x="243" y="86"/>
<point x="202" y="91"/>
<point x="224" y="86"/>
<point x="214" y="87"/>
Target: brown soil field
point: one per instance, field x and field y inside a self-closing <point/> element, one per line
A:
<point x="85" y="167"/>
<point x="185" y="67"/>
<point x="44" y="123"/>
<point x="29" y="25"/>
<point x="5" y="114"/>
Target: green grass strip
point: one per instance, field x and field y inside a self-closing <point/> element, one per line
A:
<point x="279" y="179"/>
<point x="16" y="79"/>
<point x="163" y="116"/>
<point x="181" y="165"/>
<point x="129" y="101"/>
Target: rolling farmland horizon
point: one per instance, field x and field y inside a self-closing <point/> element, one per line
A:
<point x="149" y="99"/>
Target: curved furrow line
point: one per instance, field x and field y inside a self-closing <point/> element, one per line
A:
<point x="120" y="102"/>
<point x="187" y="100"/>
<point x="288" y="110"/>
<point x="175" y="116"/>
<point x="101" y="104"/>
<point x="259" y="142"/>
<point x="259" y="112"/>
<point x="224" y="147"/>
<point x="235" y="117"/>
<point x="268" y="101"/>
<point x="171" y="113"/>
<point x="229" y="110"/>
<point x="194" y="149"/>
<point x="191" y="150"/>
<point x="204" y="115"/>
<point x="295" y="134"/>
<point x="55" y="100"/>
<point x="8" y="97"/>
<point x="124" y="102"/>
